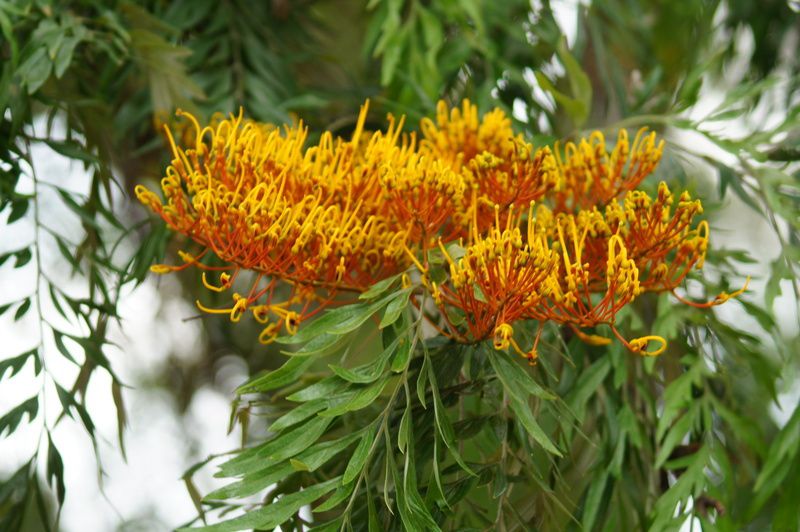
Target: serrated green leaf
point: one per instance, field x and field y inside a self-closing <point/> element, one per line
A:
<point x="55" y="471"/>
<point x="17" y="363"/>
<point x="13" y="418"/>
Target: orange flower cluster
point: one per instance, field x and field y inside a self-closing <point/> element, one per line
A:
<point x="525" y="234"/>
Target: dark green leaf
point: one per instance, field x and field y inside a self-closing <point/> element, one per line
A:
<point x="274" y="514"/>
<point x="395" y="308"/>
<point x="22" y="309"/>
<point x="17" y="363"/>
<point x="524" y="415"/>
<point x="362" y="398"/>
<point x="14" y="416"/>
<point x="55" y="471"/>
<point x="360" y="456"/>
<point x="288" y="373"/>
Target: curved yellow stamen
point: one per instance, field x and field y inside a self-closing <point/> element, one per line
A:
<point x="637" y="345"/>
<point x="238" y="308"/>
<point x="225" y="282"/>
<point x="292" y="322"/>
<point x="269" y="333"/>
<point x="502" y="336"/>
<point x="208" y="310"/>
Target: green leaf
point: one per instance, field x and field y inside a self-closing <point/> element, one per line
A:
<point x="362" y="398"/>
<point x="23" y="257"/>
<point x="322" y="345"/>
<point x="260" y="479"/>
<point x="272" y="515"/>
<point x="368" y="372"/>
<point x="579" y="83"/>
<point x="515" y="379"/>
<point x="69" y="403"/>
<point x="525" y="416"/>
<point x="14" y="416"/>
<point x="443" y="423"/>
<point x="64" y="55"/>
<point x="298" y="414"/>
<point x="22" y="309"/>
<point x="18" y="210"/>
<point x="18" y="362"/>
<point x="588" y="383"/>
<point x="280" y="448"/>
<point x="379" y="288"/>
<point x="329" y="387"/>
<point x="35" y="70"/>
<point x="253" y="482"/>
<point x="689" y="482"/>
<point x="395" y="308"/>
<point x="122" y="417"/>
<point x="360" y="456"/>
<point x="337" y="321"/>
<point x="58" y="338"/>
<point x="675" y="435"/>
<point x="288" y="373"/>
<point x="55" y="471"/>
<point x="405" y="428"/>
<point x="594" y="497"/>
<point x="783" y="450"/>
<point x="362" y="313"/>
<point x="339" y="496"/>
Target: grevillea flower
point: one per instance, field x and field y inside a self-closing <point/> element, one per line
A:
<point x="340" y="215"/>
<point x="260" y="201"/>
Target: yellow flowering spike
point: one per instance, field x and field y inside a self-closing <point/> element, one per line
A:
<point x="499" y="279"/>
<point x="457" y="135"/>
<point x="592" y="176"/>
<point x="520" y="178"/>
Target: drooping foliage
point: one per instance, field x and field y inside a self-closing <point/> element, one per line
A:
<point x="396" y="268"/>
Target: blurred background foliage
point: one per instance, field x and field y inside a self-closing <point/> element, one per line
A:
<point x="94" y="80"/>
